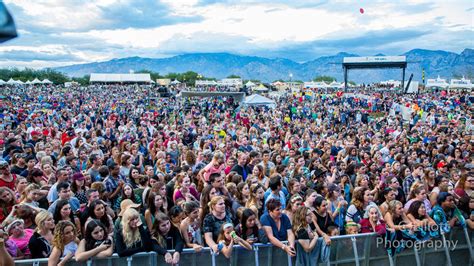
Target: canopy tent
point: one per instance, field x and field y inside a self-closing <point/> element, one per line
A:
<point x="19" y="82"/>
<point x="258" y="100"/>
<point x="2" y="82"/>
<point x="36" y="81"/>
<point x="11" y="81"/>
<point x="250" y="84"/>
<point x="28" y="82"/>
<point x="118" y="78"/>
<point x="238" y="96"/>
<point x="336" y="85"/>
<point x="461" y="84"/>
<point x="261" y="88"/>
<point x="437" y="83"/>
<point x="46" y="81"/>
<point x="278" y="83"/>
<point x="175" y="82"/>
<point x="315" y="85"/>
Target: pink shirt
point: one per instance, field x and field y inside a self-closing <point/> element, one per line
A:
<point x="210" y="169"/>
<point x="22" y="243"/>
<point x="178" y="194"/>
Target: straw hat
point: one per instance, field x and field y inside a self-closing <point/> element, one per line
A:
<point x="125" y="204"/>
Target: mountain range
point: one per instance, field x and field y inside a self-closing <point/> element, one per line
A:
<point x="220" y="65"/>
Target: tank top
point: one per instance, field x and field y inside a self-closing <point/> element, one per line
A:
<point x="70" y="248"/>
<point x="194" y="234"/>
<point x="10" y="185"/>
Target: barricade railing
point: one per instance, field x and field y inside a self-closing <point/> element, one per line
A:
<point x="454" y="248"/>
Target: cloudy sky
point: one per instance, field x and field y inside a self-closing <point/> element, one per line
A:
<point x="63" y="32"/>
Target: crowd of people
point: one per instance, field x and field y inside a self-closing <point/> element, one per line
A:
<point x="91" y="171"/>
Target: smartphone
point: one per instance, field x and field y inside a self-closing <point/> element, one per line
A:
<point x="233" y="234"/>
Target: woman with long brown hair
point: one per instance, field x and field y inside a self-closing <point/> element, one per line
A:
<point x="360" y="200"/>
<point x="166" y="237"/>
<point x="256" y="199"/>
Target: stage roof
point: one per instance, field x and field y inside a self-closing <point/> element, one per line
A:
<point x="375" y="62"/>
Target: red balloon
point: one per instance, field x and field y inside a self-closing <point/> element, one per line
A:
<point x="339" y="93"/>
<point x="361" y="10"/>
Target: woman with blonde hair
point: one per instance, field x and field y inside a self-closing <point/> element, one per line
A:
<point x="31" y="195"/>
<point x="396" y="218"/>
<point x="40" y="241"/>
<point x="213" y="221"/>
<point x="64" y="243"/>
<point x="133" y="237"/>
<point x="306" y="239"/>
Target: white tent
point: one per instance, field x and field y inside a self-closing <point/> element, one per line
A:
<point x="461" y="84"/>
<point x="28" y="82"/>
<point x="36" y="81"/>
<point x="19" y="82"/>
<point x="11" y="81"/>
<point x="46" y="81"/>
<point x="2" y="82"/>
<point x="315" y="84"/>
<point x="336" y="85"/>
<point x="174" y="82"/>
<point x="249" y="84"/>
<point x="258" y="100"/>
<point x="114" y="78"/>
<point x="438" y="82"/>
<point x="262" y="88"/>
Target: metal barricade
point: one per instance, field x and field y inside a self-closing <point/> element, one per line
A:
<point x="361" y="250"/>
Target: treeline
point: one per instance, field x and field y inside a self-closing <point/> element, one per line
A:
<point x="30" y="74"/>
<point x="57" y="77"/>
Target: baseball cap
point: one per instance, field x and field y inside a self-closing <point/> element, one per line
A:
<point x="3" y="164"/>
<point x="441" y="164"/>
<point x="14" y="222"/>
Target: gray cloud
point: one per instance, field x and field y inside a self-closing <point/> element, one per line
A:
<point x="368" y="43"/>
<point x="121" y="15"/>
<point x="142" y="14"/>
<point x="151" y="14"/>
<point x="291" y="3"/>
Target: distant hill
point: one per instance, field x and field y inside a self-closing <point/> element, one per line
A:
<point x="221" y="65"/>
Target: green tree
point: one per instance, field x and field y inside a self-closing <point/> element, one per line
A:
<point x="327" y="79"/>
<point x="153" y="75"/>
<point x="30" y="74"/>
<point x="84" y="81"/>
<point x="233" y="77"/>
